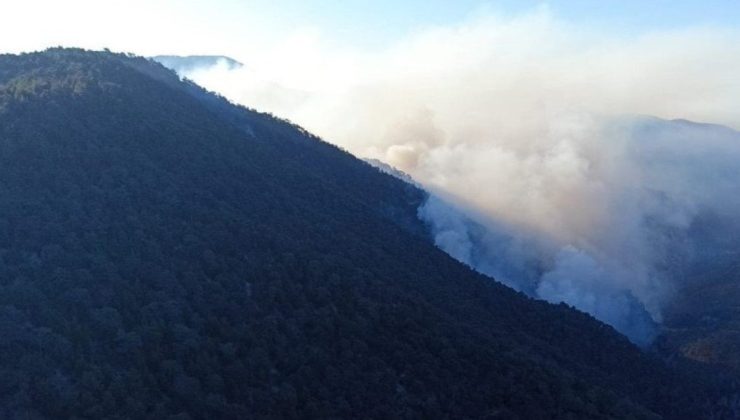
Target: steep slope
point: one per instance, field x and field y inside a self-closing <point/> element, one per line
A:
<point x="164" y="253"/>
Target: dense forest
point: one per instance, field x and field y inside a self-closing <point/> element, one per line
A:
<point x="166" y="254"/>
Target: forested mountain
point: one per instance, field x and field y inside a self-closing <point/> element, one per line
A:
<point x="166" y="254"/>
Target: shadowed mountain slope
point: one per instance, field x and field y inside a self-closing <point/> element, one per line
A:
<point x="166" y="253"/>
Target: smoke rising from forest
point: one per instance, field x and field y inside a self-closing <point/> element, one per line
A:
<point x="536" y="128"/>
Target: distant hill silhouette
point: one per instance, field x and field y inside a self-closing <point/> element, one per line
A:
<point x="189" y="63"/>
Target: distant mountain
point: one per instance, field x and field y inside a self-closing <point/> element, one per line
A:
<point x="700" y="260"/>
<point x="167" y="254"/>
<point x="702" y="319"/>
<point x="190" y="63"/>
<point x="703" y="322"/>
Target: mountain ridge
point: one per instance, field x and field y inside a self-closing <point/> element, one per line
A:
<point x="239" y="260"/>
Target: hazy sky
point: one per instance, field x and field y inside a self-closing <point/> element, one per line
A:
<point x="240" y="27"/>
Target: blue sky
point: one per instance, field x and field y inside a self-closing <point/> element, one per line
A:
<point x="372" y="22"/>
<point x="199" y="26"/>
<point x="384" y="15"/>
<point x="379" y="22"/>
<point x="638" y="15"/>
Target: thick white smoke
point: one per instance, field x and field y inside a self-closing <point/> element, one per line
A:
<point x="657" y="198"/>
<point x="524" y="121"/>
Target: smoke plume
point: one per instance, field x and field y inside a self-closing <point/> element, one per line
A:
<point x="533" y="127"/>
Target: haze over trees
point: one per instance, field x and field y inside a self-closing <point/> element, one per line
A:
<point x="190" y="63"/>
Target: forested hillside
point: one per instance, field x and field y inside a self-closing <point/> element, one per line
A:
<point x="165" y="254"/>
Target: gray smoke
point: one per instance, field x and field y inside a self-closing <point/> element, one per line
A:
<point x="539" y="268"/>
<point x="520" y="122"/>
<point x="196" y="63"/>
<point x="678" y="210"/>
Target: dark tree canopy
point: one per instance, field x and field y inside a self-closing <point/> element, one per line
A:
<point x="166" y="254"/>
